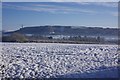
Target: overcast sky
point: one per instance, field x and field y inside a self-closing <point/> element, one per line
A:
<point x="91" y="14"/>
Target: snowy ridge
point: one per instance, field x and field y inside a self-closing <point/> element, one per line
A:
<point x="45" y="60"/>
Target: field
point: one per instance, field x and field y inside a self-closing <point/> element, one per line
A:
<point x="54" y="60"/>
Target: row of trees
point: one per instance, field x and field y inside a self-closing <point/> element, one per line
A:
<point x="17" y="37"/>
<point x="88" y="39"/>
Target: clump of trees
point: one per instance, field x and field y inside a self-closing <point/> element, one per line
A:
<point x="15" y="37"/>
<point x="88" y="39"/>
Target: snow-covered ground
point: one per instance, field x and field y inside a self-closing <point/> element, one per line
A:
<point x="45" y="60"/>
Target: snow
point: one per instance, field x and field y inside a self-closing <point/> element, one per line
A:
<point x="46" y="60"/>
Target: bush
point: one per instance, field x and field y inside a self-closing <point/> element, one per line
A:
<point x="18" y="37"/>
<point x="15" y="37"/>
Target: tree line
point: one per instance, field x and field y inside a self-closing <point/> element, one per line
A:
<point x="17" y="37"/>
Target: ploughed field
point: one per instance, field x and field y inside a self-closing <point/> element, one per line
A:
<point x="54" y="60"/>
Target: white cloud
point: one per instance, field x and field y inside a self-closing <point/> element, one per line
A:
<point x="60" y="0"/>
<point x="105" y="4"/>
<point x="48" y="8"/>
<point x="108" y="4"/>
<point x="51" y="8"/>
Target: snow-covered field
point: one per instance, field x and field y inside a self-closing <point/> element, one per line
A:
<point x="45" y="60"/>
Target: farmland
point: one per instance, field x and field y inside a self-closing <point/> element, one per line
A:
<point x="46" y="60"/>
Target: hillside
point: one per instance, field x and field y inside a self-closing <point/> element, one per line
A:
<point x="67" y="30"/>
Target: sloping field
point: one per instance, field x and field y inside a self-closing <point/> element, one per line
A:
<point x="45" y="60"/>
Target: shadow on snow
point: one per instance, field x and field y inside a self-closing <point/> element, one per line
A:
<point x="111" y="72"/>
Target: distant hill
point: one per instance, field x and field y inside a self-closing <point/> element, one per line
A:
<point x="67" y="30"/>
